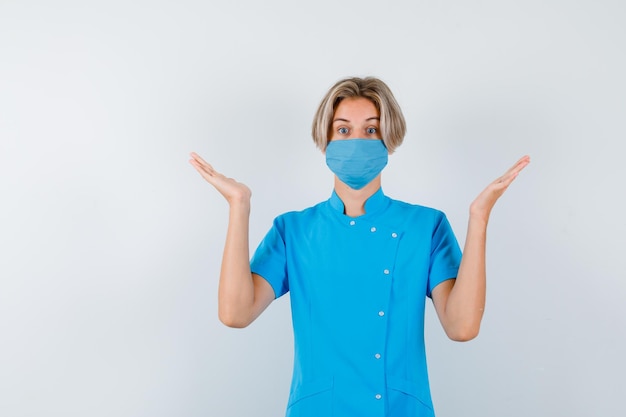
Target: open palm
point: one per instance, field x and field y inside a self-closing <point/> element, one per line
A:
<point x="482" y="205"/>
<point x="232" y="190"/>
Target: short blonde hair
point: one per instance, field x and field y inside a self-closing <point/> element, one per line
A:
<point x="392" y="124"/>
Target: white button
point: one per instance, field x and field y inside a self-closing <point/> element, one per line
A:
<point x="373" y="229"/>
<point x="386" y="272"/>
<point x="378" y="396"/>
<point x="377" y="356"/>
<point x="381" y="313"/>
<point x="352" y="222"/>
<point x="394" y="235"/>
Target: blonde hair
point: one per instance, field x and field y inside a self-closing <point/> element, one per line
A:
<point x="392" y="124"/>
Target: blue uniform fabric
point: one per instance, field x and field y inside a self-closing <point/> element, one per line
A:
<point x="358" y="288"/>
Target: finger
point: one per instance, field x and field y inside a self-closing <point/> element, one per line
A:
<point x="197" y="157"/>
<point x="201" y="161"/>
<point x="205" y="171"/>
<point x="201" y="170"/>
<point x="512" y="172"/>
<point x="504" y="181"/>
<point x="198" y="162"/>
<point x="520" y="164"/>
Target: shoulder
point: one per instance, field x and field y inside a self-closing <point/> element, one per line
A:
<point x="297" y="216"/>
<point x="417" y="210"/>
<point x="417" y="217"/>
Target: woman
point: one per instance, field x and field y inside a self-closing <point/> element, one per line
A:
<point x="358" y="266"/>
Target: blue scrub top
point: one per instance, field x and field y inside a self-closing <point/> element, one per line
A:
<point x="358" y="287"/>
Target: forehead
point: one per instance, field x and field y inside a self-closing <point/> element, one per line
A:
<point x="356" y="108"/>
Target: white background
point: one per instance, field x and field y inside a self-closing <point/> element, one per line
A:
<point x="110" y="242"/>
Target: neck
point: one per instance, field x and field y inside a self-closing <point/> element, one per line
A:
<point x="354" y="200"/>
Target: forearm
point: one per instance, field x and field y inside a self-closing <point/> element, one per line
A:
<point x="466" y="302"/>
<point x="236" y="288"/>
<point x="460" y="303"/>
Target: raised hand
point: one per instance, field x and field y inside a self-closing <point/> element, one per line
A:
<point x="242" y="295"/>
<point x="234" y="192"/>
<point x="482" y="205"/>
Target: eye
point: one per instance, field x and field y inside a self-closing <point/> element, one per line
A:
<point x="372" y="130"/>
<point x="343" y="130"/>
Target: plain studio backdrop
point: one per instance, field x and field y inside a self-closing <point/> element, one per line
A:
<point x="110" y="242"/>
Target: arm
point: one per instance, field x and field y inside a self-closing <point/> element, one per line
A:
<point x="460" y="303"/>
<point x="242" y="296"/>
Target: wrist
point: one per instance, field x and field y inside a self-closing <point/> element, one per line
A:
<point x="239" y="205"/>
<point x="479" y="219"/>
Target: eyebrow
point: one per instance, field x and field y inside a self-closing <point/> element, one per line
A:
<point x="339" y="119"/>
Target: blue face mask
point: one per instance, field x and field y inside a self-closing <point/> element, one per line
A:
<point x="356" y="162"/>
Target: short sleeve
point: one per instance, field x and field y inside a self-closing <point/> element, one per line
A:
<point x="270" y="260"/>
<point x="445" y="256"/>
